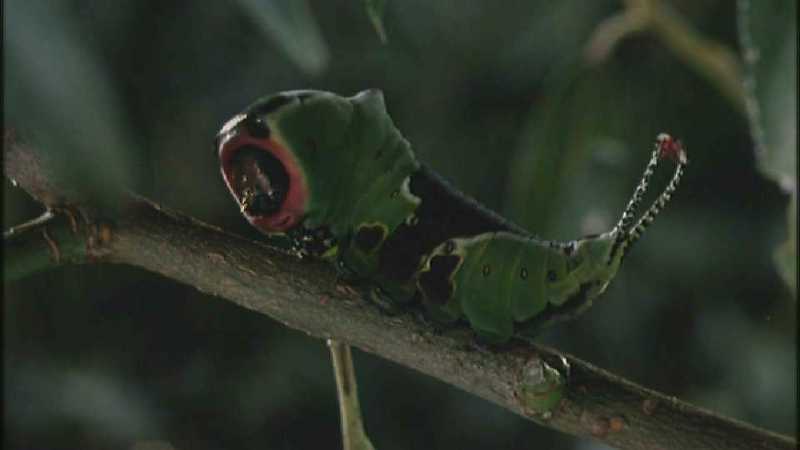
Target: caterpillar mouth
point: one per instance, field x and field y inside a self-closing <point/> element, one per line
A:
<point x="260" y="181"/>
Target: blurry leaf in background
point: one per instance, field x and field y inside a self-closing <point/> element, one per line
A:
<point x="291" y="24"/>
<point x="786" y="254"/>
<point x="375" y="9"/>
<point x="768" y="36"/>
<point x="567" y="148"/>
<point x="59" y="95"/>
<point x="544" y="156"/>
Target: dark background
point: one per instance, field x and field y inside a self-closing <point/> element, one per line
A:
<point x="499" y="99"/>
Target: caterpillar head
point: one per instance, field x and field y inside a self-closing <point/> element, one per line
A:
<point x="587" y="265"/>
<point x="268" y="152"/>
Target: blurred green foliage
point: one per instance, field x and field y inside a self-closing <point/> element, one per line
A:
<point x="499" y="100"/>
<point x="768" y="35"/>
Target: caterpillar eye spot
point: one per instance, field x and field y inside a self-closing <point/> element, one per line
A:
<point x="273" y="104"/>
<point x="256" y="127"/>
<point x="551" y="276"/>
<point x="486" y="270"/>
<point x="523" y="273"/>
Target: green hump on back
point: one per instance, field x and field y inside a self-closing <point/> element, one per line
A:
<point x="357" y="166"/>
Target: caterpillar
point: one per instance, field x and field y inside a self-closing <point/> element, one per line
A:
<point x="334" y="177"/>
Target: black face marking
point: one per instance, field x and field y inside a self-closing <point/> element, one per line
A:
<point x="486" y="270"/>
<point x="551" y="276"/>
<point x="523" y="273"/>
<point x="256" y="127"/>
<point x="436" y="284"/>
<point x="369" y="237"/>
<point x="312" y="241"/>
<point x="270" y="105"/>
<point x="259" y="179"/>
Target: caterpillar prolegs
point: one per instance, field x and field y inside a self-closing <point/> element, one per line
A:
<point x="336" y="177"/>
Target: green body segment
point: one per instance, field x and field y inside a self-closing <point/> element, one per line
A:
<point x="499" y="281"/>
<point x="361" y="173"/>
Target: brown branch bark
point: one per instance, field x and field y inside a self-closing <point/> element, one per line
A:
<point x="304" y="295"/>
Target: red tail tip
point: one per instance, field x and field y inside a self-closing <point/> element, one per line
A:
<point x="671" y="148"/>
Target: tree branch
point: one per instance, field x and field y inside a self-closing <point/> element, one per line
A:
<point x="304" y="295"/>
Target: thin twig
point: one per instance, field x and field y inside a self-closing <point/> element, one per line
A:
<point x="353" y="435"/>
<point x="43" y="219"/>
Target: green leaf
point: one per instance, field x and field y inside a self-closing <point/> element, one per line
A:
<point x="292" y="26"/>
<point x="768" y="35"/>
<point x="62" y="99"/>
<point x="786" y="254"/>
<point x="375" y="9"/>
<point x="569" y="136"/>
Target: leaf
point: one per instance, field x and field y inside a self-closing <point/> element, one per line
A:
<point x="60" y="97"/>
<point x="375" y="10"/>
<point x="786" y="254"/>
<point x="292" y="26"/>
<point x="768" y="35"/>
<point x="568" y="137"/>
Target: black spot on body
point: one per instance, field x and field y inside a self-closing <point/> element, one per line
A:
<point x="449" y="247"/>
<point x="369" y="237"/>
<point x="523" y="273"/>
<point x="486" y="270"/>
<point x="313" y="241"/>
<point x="435" y="283"/>
<point x="256" y="127"/>
<point x="270" y="105"/>
<point x="551" y="276"/>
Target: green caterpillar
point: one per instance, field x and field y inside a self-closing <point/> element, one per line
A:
<point x="335" y="177"/>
